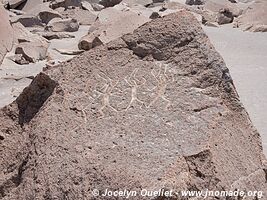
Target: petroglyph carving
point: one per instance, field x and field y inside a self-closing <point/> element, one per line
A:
<point x="162" y="80"/>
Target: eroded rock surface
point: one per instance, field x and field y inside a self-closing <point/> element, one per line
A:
<point x="153" y="109"/>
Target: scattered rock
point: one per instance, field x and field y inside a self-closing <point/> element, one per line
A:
<point x="19" y="59"/>
<point x="215" y="6"/>
<point x="55" y="35"/>
<point x="194" y="2"/>
<point x="154" y="15"/>
<point x="21" y="34"/>
<point x="254" y="18"/>
<point x="63" y="25"/>
<point x="225" y="16"/>
<point x="65" y="3"/>
<point x="112" y="24"/>
<point x="69" y="52"/>
<point x="17" y="12"/>
<point x="83" y="17"/>
<point x="89" y="41"/>
<point x="97" y="7"/>
<point x="31" y="52"/>
<point x="45" y="14"/>
<point x="87" y="6"/>
<point x="109" y="3"/>
<point x="131" y="3"/>
<point x="13" y="4"/>
<point x="27" y="20"/>
<point x="211" y="24"/>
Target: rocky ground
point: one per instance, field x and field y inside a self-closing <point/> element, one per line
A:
<point x="129" y="95"/>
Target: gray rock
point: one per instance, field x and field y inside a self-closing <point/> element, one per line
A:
<point x="63" y="25"/>
<point x="87" y="6"/>
<point x="154" y="15"/>
<point x="65" y="3"/>
<point x="31" y="52"/>
<point x="17" y="12"/>
<point x="19" y="59"/>
<point x="15" y="3"/>
<point x="194" y="2"/>
<point x="44" y="13"/>
<point x="109" y="3"/>
<point x="137" y="2"/>
<point x="224" y="16"/>
<point x="55" y="35"/>
<point x="27" y="20"/>
<point x="83" y="17"/>
<point x="88" y="42"/>
<point x="97" y="7"/>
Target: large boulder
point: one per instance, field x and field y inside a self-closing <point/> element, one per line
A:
<point x="29" y="47"/>
<point x="27" y="20"/>
<point x="63" y="25"/>
<point x="255" y="17"/>
<point x="14" y="3"/>
<point x="155" y="110"/>
<point x="44" y="13"/>
<point x="31" y="52"/>
<point x="225" y="16"/>
<point x="83" y="17"/>
<point x="112" y="24"/>
<point x="6" y="34"/>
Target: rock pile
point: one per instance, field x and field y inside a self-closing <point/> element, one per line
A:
<point x="154" y="109"/>
<point x="254" y="18"/>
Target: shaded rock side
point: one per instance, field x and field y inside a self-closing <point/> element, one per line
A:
<point x="154" y="109"/>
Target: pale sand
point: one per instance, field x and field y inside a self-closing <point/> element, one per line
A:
<point x="245" y="54"/>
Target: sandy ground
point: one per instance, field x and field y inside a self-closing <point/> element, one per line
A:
<point x="246" y="57"/>
<point x="14" y="78"/>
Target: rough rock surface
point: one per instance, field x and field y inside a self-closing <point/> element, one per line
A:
<point x="6" y="34"/>
<point x="154" y="109"/>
